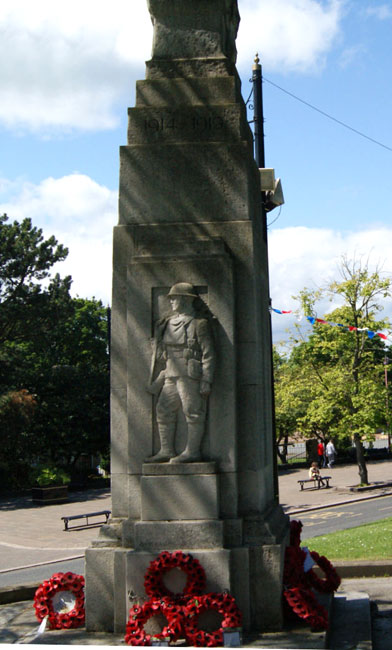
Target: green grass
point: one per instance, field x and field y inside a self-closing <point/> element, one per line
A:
<point x="293" y="461"/>
<point x="367" y="542"/>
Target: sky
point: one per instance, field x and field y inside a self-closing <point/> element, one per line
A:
<point x="69" y="76"/>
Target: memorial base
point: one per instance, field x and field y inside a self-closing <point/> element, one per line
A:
<point x="252" y="574"/>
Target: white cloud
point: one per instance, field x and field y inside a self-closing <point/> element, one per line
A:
<point x="382" y="12"/>
<point x="289" y="34"/>
<point x="68" y="62"/>
<point x="81" y="215"/>
<point x="309" y="257"/>
<point x="72" y="64"/>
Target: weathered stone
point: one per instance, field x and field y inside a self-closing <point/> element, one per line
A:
<point x="184" y="28"/>
<point x="266" y="567"/>
<point x="179" y="497"/>
<point x="192" y="183"/>
<point x="173" y="535"/>
<point x="187" y="124"/>
<point x="189" y="68"/>
<point x="167" y="469"/>
<point x="99" y="589"/>
<point x="213" y="91"/>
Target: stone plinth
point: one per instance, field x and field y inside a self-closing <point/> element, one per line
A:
<point x="179" y="492"/>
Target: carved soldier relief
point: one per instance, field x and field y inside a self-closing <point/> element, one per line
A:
<point x="182" y="370"/>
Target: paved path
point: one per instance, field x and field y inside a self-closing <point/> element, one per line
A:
<point x="30" y="534"/>
<point x="344" y="477"/>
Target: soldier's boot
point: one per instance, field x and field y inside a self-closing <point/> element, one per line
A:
<point x="191" y="453"/>
<point x="167" y="451"/>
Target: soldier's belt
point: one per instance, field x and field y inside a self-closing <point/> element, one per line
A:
<point x="175" y="351"/>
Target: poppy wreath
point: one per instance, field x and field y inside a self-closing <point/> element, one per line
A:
<point x="303" y="603"/>
<point x="293" y="573"/>
<point x="153" y="579"/>
<point x="224" y="604"/>
<point x="298" y="584"/>
<point x="295" y="532"/>
<point x="331" y="581"/>
<point x="44" y="603"/>
<point x="135" y="633"/>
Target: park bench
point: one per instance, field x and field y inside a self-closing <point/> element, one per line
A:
<point x="105" y="513"/>
<point x="321" y="482"/>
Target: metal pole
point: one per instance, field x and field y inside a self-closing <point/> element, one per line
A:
<point x="386" y="361"/>
<point x="258" y="117"/>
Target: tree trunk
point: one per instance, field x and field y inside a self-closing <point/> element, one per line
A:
<point x="362" y="469"/>
<point x="283" y="454"/>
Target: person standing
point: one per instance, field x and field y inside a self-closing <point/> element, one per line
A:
<point x="321" y="454"/>
<point x="330" y="453"/>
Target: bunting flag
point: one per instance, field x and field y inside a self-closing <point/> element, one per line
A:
<point x="278" y="311"/>
<point x="312" y="320"/>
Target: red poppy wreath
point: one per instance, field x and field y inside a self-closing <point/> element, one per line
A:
<point x="224" y="604"/>
<point x="303" y="603"/>
<point x="153" y="580"/>
<point x="135" y="633"/>
<point x="61" y="599"/>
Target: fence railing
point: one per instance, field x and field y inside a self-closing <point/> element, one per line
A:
<point x="297" y="451"/>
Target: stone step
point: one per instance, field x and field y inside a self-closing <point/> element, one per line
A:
<point x="351" y="625"/>
<point x="381" y="626"/>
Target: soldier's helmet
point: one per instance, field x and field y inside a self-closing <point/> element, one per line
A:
<point x="182" y="289"/>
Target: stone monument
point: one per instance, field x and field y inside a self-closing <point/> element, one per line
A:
<point x="193" y="459"/>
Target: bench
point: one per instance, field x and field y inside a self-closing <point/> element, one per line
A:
<point x="323" y="481"/>
<point x="104" y="513"/>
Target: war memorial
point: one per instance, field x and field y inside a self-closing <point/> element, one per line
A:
<point x="192" y="453"/>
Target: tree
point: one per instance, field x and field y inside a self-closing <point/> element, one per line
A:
<point x="26" y="259"/>
<point x="52" y="347"/>
<point x="72" y="385"/>
<point x="17" y="410"/>
<point x="290" y="398"/>
<point x="342" y="367"/>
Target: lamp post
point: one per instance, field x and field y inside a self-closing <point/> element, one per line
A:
<point x="258" y="116"/>
<point x="258" y="121"/>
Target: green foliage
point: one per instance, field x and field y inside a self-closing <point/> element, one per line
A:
<point x="53" y="347"/>
<point x="47" y="476"/>
<point x="17" y="409"/>
<point x="359" y="543"/>
<point x="25" y="261"/>
<point x="332" y="383"/>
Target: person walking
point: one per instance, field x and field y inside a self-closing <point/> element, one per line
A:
<point x="330" y="452"/>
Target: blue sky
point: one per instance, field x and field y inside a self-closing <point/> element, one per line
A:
<point x="69" y="77"/>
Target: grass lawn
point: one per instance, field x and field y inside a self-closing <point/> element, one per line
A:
<point x="367" y="542"/>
